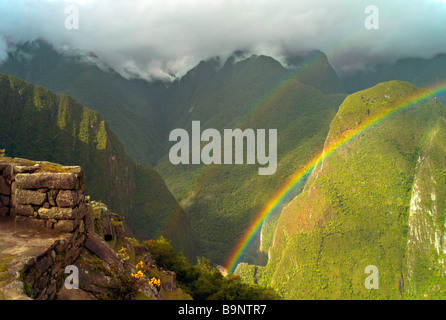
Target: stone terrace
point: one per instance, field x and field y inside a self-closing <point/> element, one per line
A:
<point x="42" y="226"/>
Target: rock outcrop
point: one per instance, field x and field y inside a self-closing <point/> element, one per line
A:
<point x="48" y="224"/>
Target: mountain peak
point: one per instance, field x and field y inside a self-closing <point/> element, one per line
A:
<point x="366" y="106"/>
<point x="301" y="58"/>
<point x="313" y="68"/>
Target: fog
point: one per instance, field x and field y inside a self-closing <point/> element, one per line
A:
<point x="165" y="38"/>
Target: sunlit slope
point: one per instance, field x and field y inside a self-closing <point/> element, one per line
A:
<point x="378" y="200"/>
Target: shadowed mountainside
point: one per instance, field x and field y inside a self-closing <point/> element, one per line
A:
<point x="36" y="123"/>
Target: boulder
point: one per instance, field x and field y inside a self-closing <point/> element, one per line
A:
<point x="99" y="247"/>
<point x="74" y="294"/>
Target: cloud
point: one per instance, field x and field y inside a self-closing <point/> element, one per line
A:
<point x="164" y="38"/>
<point x="189" y="201"/>
<point x="3" y="50"/>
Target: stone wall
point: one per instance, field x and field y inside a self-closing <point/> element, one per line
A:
<point x="5" y="189"/>
<point x="46" y="274"/>
<point x="47" y="200"/>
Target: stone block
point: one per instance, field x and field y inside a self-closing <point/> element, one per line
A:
<point x="58" y="213"/>
<point x="4" y="188"/>
<point x="28" y="223"/>
<point x="24" y="210"/>
<point x="26" y="169"/>
<point x="68" y="198"/>
<point x="65" y="181"/>
<point x="52" y="198"/>
<point x="65" y="226"/>
<point x="8" y="173"/>
<point x="13" y="191"/>
<point x="30" y="197"/>
<point x="4" y="211"/>
<point x="5" y="200"/>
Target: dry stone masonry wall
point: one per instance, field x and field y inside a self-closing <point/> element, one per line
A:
<point x="40" y="199"/>
<point x="44" y="198"/>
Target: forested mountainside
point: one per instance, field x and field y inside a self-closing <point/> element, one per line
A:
<point x="378" y="200"/>
<point x="127" y="105"/>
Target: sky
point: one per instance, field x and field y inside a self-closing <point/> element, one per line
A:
<point x="165" y="38"/>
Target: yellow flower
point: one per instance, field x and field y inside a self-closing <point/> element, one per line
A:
<point x="137" y="275"/>
<point x="155" y="282"/>
<point x="140" y="265"/>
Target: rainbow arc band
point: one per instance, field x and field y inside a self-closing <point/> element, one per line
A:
<point x="302" y="173"/>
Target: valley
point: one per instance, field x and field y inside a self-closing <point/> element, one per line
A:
<point x="371" y="143"/>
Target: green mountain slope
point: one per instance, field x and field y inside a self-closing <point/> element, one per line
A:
<point x="258" y="93"/>
<point x="315" y="70"/>
<point x="379" y="200"/>
<point x="36" y="123"/>
<point x="127" y="105"/>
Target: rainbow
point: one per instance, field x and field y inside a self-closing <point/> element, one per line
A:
<point x="276" y="89"/>
<point x="243" y="121"/>
<point x="297" y="178"/>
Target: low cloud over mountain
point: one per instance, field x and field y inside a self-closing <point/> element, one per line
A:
<point x="165" y="38"/>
